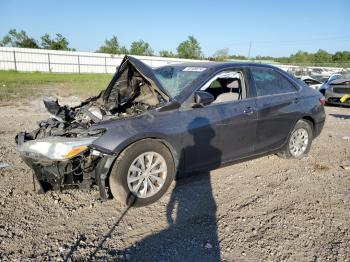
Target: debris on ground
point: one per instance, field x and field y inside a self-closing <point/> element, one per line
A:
<point x="4" y="165"/>
<point x="267" y="209"/>
<point x="347" y="167"/>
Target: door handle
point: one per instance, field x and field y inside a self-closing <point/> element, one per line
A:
<point x="296" y="100"/>
<point x="248" y="111"/>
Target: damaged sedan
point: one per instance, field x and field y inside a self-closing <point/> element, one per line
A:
<point x="337" y="91"/>
<point x="149" y="127"/>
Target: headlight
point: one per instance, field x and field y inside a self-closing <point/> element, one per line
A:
<point x="56" y="148"/>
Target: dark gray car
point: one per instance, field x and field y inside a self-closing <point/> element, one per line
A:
<point x="337" y="89"/>
<point x="150" y="126"/>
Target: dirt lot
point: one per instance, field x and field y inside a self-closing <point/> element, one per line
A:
<point x="268" y="209"/>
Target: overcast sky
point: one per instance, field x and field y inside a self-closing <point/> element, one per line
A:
<point x="276" y="28"/>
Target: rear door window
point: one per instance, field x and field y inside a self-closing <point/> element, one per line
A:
<point x="270" y="82"/>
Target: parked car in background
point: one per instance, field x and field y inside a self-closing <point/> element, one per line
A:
<point x="337" y="91"/>
<point x="326" y="81"/>
<point x="311" y="82"/>
<point x="151" y="126"/>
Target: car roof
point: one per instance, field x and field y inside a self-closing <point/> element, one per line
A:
<point x="212" y="68"/>
<point x="218" y="65"/>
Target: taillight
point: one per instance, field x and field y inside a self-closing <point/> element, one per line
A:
<point x="322" y="100"/>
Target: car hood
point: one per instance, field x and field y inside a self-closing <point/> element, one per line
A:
<point x="342" y="81"/>
<point x="143" y="69"/>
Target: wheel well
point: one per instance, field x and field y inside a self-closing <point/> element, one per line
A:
<point x="311" y="120"/>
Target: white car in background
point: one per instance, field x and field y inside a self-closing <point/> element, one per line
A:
<point x="311" y="82"/>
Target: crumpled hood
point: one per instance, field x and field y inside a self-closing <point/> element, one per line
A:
<point x="133" y="90"/>
<point x="128" y="64"/>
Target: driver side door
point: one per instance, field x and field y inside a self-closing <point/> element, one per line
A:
<point x="221" y="131"/>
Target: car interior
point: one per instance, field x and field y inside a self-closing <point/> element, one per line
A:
<point x="226" y="86"/>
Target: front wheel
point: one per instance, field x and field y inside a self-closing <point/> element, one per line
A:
<point x="142" y="173"/>
<point x="299" y="141"/>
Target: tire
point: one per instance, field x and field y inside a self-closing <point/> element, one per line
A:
<point x="128" y="167"/>
<point x="289" y="151"/>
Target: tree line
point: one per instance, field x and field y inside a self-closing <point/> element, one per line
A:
<point x="16" y="38"/>
<point x="189" y="48"/>
<point x="319" y="58"/>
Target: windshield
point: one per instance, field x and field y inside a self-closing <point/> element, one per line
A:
<point x="176" y="78"/>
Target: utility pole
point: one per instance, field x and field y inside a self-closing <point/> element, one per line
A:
<point x="250" y="47"/>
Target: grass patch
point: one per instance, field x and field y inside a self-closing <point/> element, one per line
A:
<point x="14" y="85"/>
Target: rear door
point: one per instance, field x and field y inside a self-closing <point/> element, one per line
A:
<point x="278" y="106"/>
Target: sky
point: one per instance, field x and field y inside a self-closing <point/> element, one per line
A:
<point x="273" y="27"/>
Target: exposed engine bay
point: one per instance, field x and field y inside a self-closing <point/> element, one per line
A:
<point x="58" y="150"/>
<point x="128" y="94"/>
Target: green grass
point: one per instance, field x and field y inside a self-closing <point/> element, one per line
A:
<point x="17" y="85"/>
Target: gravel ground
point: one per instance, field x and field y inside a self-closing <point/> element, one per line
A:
<point x="268" y="209"/>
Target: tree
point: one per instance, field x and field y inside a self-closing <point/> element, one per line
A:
<point x="166" y="53"/>
<point x="112" y="46"/>
<point x="18" y="39"/>
<point x="341" y="57"/>
<point x="238" y="57"/>
<point x="221" y="54"/>
<point x="300" y="57"/>
<point x="141" y="48"/>
<point x="322" y="56"/>
<point x="123" y="50"/>
<point x="59" y="43"/>
<point x="263" y="57"/>
<point x="190" y="49"/>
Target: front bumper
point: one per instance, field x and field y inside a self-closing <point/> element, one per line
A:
<point x="56" y="175"/>
<point x="334" y="98"/>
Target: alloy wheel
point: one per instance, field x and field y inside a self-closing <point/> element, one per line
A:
<point x="298" y="142"/>
<point x="147" y="174"/>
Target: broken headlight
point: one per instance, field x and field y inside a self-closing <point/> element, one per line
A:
<point x="55" y="148"/>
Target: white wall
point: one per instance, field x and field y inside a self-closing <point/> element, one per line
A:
<point x="27" y="59"/>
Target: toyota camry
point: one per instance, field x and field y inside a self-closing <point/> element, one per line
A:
<point x="151" y="126"/>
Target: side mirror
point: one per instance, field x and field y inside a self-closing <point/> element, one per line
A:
<point x="202" y="98"/>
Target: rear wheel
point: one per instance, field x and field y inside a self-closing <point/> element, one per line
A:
<point x="142" y="173"/>
<point x="299" y="141"/>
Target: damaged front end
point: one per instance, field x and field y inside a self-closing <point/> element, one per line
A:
<point x="61" y="152"/>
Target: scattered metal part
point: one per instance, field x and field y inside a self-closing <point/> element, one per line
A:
<point x="346" y="167"/>
<point x="4" y="165"/>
